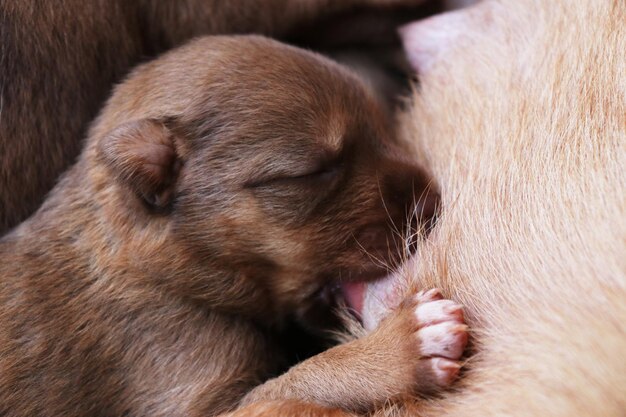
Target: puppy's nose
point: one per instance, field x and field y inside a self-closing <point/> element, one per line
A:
<point x="408" y="190"/>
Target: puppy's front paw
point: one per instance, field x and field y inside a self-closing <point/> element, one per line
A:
<point x="442" y="337"/>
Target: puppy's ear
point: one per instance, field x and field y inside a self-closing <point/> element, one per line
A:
<point x="142" y="155"/>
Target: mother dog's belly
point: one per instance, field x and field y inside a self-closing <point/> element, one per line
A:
<point x="520" y="119"/>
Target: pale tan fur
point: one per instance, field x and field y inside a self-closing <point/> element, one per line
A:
<point x="521" y="122"/>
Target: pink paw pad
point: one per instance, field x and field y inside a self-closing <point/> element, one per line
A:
<point x="442" y="334"/>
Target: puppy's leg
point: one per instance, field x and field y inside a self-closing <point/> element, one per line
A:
<point x="287" y="408"/>
<point x="415" y="349"/>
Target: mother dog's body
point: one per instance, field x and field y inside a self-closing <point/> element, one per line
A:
<point x="521" y="120"/>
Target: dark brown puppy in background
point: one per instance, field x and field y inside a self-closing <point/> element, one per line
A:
<point x="59" y="60"/>
<point x="224" y="188"/>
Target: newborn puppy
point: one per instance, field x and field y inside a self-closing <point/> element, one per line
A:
<point x="225" y="188"/>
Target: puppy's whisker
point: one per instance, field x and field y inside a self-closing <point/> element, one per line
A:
<point x="381" y="262"/>
<point x="376" y="260"/>
<point x="393" y="225"/>
<point x="417" y="216"/>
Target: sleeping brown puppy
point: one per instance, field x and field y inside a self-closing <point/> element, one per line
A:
<point x="225" y="188"/>
<point x="59" y="61"/>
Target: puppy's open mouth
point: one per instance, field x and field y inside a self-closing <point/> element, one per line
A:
<point x="348" y="295"/>
<point x="354" y="294"/>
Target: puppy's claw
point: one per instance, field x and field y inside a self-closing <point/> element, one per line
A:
<point x="430" y="295"/>
<point x="445" y="370"/>
<point x="460" y="329"/>
<point x="447" y="340"/>
<point x="453" y="309"/>
<point x="439" y="311"/>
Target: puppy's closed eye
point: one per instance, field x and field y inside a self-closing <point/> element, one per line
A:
<point x="293" y="197"/>
<point x="322" y="175"/>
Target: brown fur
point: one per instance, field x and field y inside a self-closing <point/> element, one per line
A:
<point x="521" y="121"/>
<point x="287" y="408"/>
<point x="222" y="190"/>
<point x="58" y="62"/>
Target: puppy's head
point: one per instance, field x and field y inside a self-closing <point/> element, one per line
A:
<point x="268" y="165"/>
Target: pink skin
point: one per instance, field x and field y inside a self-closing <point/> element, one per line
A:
<point x="428" y="41"/>
<point x="431" y="42"/>
<point x="354" y="294"/>
<point x="380" y="298"/>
